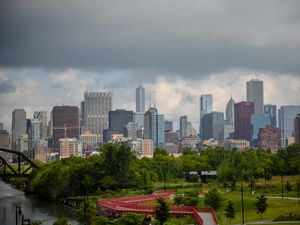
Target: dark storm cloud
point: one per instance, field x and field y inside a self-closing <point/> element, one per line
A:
<point x="166" y="36"/>
<point x="7" y="86"/>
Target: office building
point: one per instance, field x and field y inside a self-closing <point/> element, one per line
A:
<point x="237" y="144"/>
<point x="136" y="146"/>
<point x="258" y="121"/>
<point x="183" y="126"/>
<point x="269" y="138"/>
<point x="230" y="111"/>
<point x="242" y="120"/>
<point x="154" y="127"/>
<point x="206" y="106"/>
<point x="19" y="126"/>
<point x="34" y="136"/>
<point x="22" y="144"/>
<point x="255" y="94"/>
<point x="168" y="125"/>
<point x="271" y="110"/>
<point x="140" y="99"/>
<point x="68" y="147"/>
<point x="213" y="126"/>
<point x="286" y="118"/>
<point x="1" y="126"/>
<point x="189" y="142"/>
<point x="118" y="120"/>
<point x="297" y="129"/>
<point x="131" y="130"/>
<point x="89" y="141"/>
<point x="147" y="148"/>
<point x="190" y="130"/>
<point x="138" y="118"/>
<point x="96" y="108"/>
<point x="65" y="124"/>
<point x="42" y="116"/>
<point x="5" y="143"/>
<point x="228" y="130"/>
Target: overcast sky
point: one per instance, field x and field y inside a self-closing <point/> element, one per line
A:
<point x="51" y="51"/>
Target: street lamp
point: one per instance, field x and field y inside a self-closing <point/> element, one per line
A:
<point x="242" y="195"/>
<point x="18" y="213"/>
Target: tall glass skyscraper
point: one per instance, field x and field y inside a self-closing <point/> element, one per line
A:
<point x="230" y="111"/>
<point x="154" y="127"/>
<point x="96" y="109"/>
<point x="34" y="136"/>
<point x="206" y="106"/>
<point x="271" y="110"/>
<point x="286" y="117"/>
<point x="42" y="116"/>
<point x="258" y="121"/>
<point x="140" y="99"/>
<point x="242" y="120"/>
<point x="183" y="126"/>
<point x="255" y="93"/>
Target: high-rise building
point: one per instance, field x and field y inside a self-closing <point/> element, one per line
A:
<point x="19" y="126"/>
<point x="140" y="99"/>
<point x="147" y="148"/>
<point x="271" y="110"/>
<point x="5" y="143"/>
<point x="255" y="93"/>
<point x="118" y="119"/>
<point x="213" y="125"/>
<point x="230" y="111"/>
<point x="154" y="127"/>
<point x="206" y="106"/>
<point x="34" y="136"/>
<point x="89" y="141"/>
<point x="269" y="138"/>
<point x="258" y="121"/>
<point x="183" y="126"/>
<point x="297" y="129"/>
<point x="68" y="147"/>
<point x="139" y="118"/>
<point x="242" y="120"/>
<point x="286" y="117"/>
<point x="96" y="108"/>
<point x="42" y="116"/>
<point x="65" y="123"/>
<point x="1" y="126"/>
<point x="168" y="125"/>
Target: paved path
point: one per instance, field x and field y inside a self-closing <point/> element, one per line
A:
<point x="270" y="222"/>
<point x="278" y="197"/>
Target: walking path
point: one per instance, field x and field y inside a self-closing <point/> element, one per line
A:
<point x="270" y="222"/>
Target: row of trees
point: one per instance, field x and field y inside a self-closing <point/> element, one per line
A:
<point x="117" y="167"/>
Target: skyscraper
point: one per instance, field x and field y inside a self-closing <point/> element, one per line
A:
<point x="65" y="123"/>
<point x="96" y="108"/>
<point x="255" y="93"/>
<point x="271" y="110"/>
<point x="42" y="116"/>
<point x="258" y="121"/>
<point x="286" y="117"/>
<point x="168" y="125"/>
<point x="19" y="125"/>
<point x="230" y="111"/>
<point x="183" y="126"/>
<point x="34" y="136"/>
<point x="242" y="120"/>
<point x="297" y="129"/>
<point x="206" y="106"/>
<point x="118" y="119"/>
<point x="1" y="126"/>
<point x="154" y="127"/>
<point x="213" y="124"/>
<point x="140" y="99"/>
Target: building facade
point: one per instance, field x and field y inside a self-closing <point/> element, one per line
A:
<point x="68" y="147"/>
<point x="206" y="106"/>
<point x="213" y="126"/>
<point x="242" y="120"/>
<point x="140" y="99"/>
<point x="183" y="126"/>
<point x="35" y="135"/>
<point x="258" y="121"/>
<point x="297" y="129"/>
<point x="96" y="108"/>
<point x="42" y="116"/>
<point x="230" y="111"/>
<point x="118" y="120"/>
<point x="269" y="138"/>
<point x="271" y="110"/>
<point x="65" y="124"/>
<point x="286" y="117"/>
<point x="255" y="94"/>
<point x="168" y="125"/>
<point x="19" y="126"/>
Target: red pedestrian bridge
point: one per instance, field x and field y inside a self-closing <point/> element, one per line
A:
<point x="138" y="204"/>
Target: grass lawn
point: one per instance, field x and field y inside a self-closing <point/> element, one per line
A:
<point x="276" y="207"/>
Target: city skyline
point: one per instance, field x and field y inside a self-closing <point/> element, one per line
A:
<point x="185" y="94"/>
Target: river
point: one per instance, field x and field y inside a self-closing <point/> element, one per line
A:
<point x="33" y="208"/>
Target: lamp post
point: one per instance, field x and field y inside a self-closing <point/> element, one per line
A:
<point x="18" y="213"/>
<point x="242" y="195"/>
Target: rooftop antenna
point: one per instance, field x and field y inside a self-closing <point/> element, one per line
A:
<point x="154" y="101"/>
<point x="149" y="101"/>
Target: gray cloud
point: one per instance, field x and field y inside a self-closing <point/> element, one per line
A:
<point x="164" y="36"/>
<point x="7" y="86"/>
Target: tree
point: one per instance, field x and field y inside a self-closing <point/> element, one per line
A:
<point x="87" y="212"/>
<point x="160" y="151"/>
<point x="36" y="222"/>
<point x="230" y="211"/>
<point x="213" y="199"/>
<point x="261" y="205"/>
<point x="61" y="221"/>
<point x="162" y="211"/>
